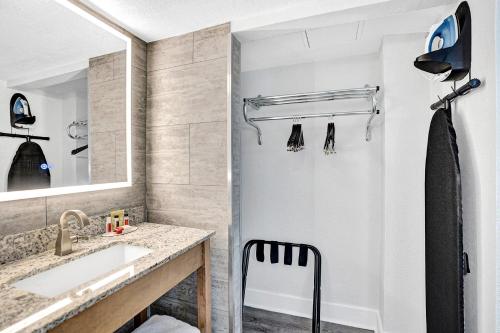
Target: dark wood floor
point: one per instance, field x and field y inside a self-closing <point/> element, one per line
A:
<point x="258" y="321"/>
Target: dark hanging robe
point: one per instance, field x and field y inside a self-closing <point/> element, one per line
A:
<point x="443" y="229"/>
<point x="29" y="169"/>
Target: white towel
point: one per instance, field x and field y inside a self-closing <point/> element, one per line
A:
<point x="165" y="324"/>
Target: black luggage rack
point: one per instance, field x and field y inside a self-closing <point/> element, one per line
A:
<point x="316" y="317"/>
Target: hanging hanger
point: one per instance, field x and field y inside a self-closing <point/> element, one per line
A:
<point x="329" y="147"/>
<point x="296" y="141"/>
<point x="299" y="139"/>
<point x="291" y="139"/>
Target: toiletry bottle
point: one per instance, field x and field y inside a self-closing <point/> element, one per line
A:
<point x="117" y="221"/>
<point x="109" y="226"/>
<point x="125" y="220"/>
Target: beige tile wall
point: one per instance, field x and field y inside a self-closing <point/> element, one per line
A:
<point x="235" y="226"/>
<point x="23" y="215"/>
<point x="107" y="140"/>
<point x="187" y="147"/>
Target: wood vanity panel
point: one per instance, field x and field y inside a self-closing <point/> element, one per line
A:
<point x="204" y="290"/>
<point x="115" y="310"/>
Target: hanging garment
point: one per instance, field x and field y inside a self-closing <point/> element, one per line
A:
<point x="29" y="169"/>
<point x="443" y="229"/>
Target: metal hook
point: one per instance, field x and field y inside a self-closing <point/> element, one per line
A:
<point x="445" y="102"/>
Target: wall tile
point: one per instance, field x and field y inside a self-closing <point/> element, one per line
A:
<point x="163" y="139"/>
<point x="235" y="283"/>
<point x="236" y="111"/>
<point x="139" y="57"/>
<point x="184" y="107"/>
<point x="168" y="154"/>
<point x="219" y="263"/>
<point x="120" y="156"/>
<point x="119" y="64"/>
<point x="201" y="219"/>
<point x="211" y="43"/>
<point x="170" y="52"/>
<point x="168" y="168"/>
<point x="212" y="32"/>
<point x="22" y="215"/>
<point x="189" y="89"/>
<point x="101" y="68"/>
<point x="93" y="203"/>
<point x="103" y="158"/>
<point x="189" y="198"/>
<point x="208" y="153"/>
<point x="194" y="78"/>
<point x="138" y="97"/>
<point x="107" y="105"/>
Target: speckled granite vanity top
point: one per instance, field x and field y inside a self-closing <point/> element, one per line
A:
<point x="18" y="307"/>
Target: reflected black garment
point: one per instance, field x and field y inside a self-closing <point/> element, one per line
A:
<point x="29" y="169"/>
<point x="443" y="229"/>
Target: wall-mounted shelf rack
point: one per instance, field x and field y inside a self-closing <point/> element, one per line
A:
<point x="258" y="102"/>
<point x="462" y="91"/>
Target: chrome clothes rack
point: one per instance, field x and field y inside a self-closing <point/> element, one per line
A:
<point x="76" y="124"/>
<point x="256" y="103"/>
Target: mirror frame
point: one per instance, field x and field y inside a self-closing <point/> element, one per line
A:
<point x="19" y="195"/>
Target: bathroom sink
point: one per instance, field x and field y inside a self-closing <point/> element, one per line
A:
<point x="63" y="278"/>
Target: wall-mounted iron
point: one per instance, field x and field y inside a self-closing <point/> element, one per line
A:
<point x="448" y="47"/>
<point x="20" y="112"/>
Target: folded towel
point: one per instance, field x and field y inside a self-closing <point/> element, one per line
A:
<point x="165" y="324"/>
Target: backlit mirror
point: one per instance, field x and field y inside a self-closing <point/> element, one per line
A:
<point x="64" y="101"/>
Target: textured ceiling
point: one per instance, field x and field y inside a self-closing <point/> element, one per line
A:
<point x="156" y="19"/>
<point x="305" y="41"/>
<point x="38" y="36"/>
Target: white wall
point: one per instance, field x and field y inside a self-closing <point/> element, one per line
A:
<point x="497" y="59"/>
<point x="406" y="128"/>
<point x="406" y="98"/>
<point x="332" y="202"/>
<point x="54" y="108"/>
<point x="275" y="188"/>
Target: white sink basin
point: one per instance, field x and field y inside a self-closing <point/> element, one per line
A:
<point x="66" y="277"/>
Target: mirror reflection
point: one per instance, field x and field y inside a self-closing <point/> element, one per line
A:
<point x="62" y="99"/>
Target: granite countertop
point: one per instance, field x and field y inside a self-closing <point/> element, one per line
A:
<point x="22" y="311"/>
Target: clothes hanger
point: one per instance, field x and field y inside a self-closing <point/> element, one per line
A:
<point x="291" y="139"/>
<point x="327" y="139"/>
<point x="329" y="147"/>
<point x="300" y="145"/>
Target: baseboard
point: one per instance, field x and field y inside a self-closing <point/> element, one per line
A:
<point x="342" y="314"/>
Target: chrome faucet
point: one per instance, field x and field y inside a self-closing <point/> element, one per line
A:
<point x="64" y="242"/>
